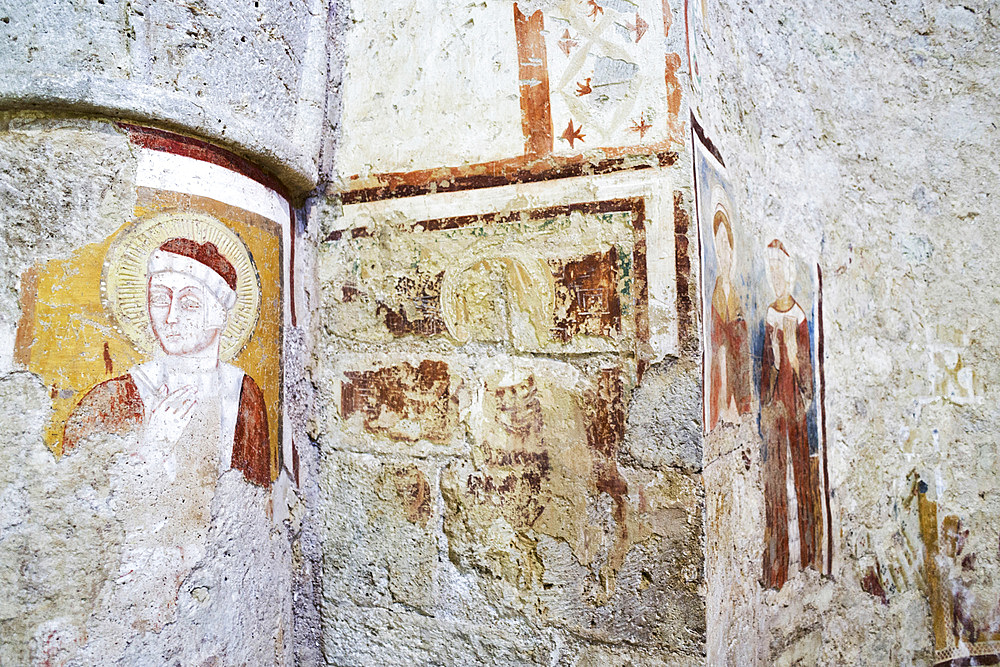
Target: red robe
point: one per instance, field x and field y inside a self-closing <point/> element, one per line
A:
<point x="729" y="328"/>
<point x="785" y="397"/>
<point x="114" y="406"/>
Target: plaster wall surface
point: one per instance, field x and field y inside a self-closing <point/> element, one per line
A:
<point x="247" y="75"/>
<point x="106" y="556"/>
<point x="864" y="136"/>
<point x="429" y="86"/>
<point x="507" y="414"/>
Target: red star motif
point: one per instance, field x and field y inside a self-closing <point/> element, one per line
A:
<point x="641" y="127"/>
<point x="572" y="134"/>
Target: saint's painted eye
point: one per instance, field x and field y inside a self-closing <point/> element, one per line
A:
<point x="190" y="303"/>
<point x="159" y="298"/>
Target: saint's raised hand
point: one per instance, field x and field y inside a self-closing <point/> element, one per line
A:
<point x="172" y="413"/>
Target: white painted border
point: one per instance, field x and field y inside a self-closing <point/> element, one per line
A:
<point x="179" y="173"/>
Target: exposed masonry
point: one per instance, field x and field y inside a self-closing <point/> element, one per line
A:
<point x="590" y="333"/>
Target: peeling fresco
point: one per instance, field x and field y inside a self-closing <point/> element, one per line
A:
<point x="762" y="358"/>
<point x="726" y="259"/>
<point x="402" y="402"/>
<point x="793" y="452"/>
<point x="497" y="340"/>
<point x="159" y="347"/>
<point x="563" y="279"/>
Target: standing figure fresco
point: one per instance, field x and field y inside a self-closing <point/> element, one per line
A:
<point x="196" y="294"/>
<point x="729" y="379"/>
<point x="786" y="395"/>
<point x="726" y="371"/>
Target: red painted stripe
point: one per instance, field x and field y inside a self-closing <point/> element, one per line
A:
<point x="168" y="142"/>
<point x="536" y="111"/>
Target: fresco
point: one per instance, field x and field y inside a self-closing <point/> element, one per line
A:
<point x="725" y="262"/>
<point x="402" y="402"/>
<point x="167" y="276"/>
<point x="161" y="349"/>
<point x="959" y="569"/>
<point x="568" y="279"/>
<point x="546" y="441"/>
<point x="519" y="320"/>
<point x="796" y="494"/>
<point x="762" y="342"/>
<point x="694" y="24"/>
<point x="946" y="553"/>
<point x="590" y="76"/>
<point x="171" y="325"/>
<point x="588" y="264"/>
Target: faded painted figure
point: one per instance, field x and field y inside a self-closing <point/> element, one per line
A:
<point x="186" y="419"/>
<point x="786" y="392"/>
<point x="729" y="383"/>
<point x="185" y="392"/>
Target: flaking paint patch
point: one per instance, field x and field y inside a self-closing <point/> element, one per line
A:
<point x="404" y="402"/>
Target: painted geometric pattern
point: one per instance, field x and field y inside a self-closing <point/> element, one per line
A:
<point x="605" y="62"/>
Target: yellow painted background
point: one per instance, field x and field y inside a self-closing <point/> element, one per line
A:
<point x="64" y="326"/>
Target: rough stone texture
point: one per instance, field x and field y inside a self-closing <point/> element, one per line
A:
<point x="250" y="77"/>
<point x="485" y="496"/>
<point x="472" y="496"/>
<point x="865" y="136"/>
<point x="103" y="559"/>
<point x="63" y="184"/>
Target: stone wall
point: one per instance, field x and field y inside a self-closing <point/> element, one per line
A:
<point x="578" y="332"/>
<point x="493" y="412"/>
<point x="507" y="396"/>
<point x="252" y="78"/>
<point x="862" y="137"/>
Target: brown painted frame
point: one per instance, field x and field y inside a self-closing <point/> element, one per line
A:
<point x="634" y="205"/>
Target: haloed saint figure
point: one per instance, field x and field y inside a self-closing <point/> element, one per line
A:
<point x="786" y="392"/>
<point x="197" y="306"/>
<point x="729" y="382"/>
<point x="184" y="290"/>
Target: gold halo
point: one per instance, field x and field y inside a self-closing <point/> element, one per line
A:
<point x="124" y="277"/>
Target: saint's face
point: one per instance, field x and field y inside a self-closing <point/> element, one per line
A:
<point x="779" y="270"/>
<point x="187" y="318"/>
<point x="723" y="252"/>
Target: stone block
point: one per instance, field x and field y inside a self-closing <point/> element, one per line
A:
<point x="555" y="528"/>
<point x="377" y="531"/>
<point x="364" y="636"/>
